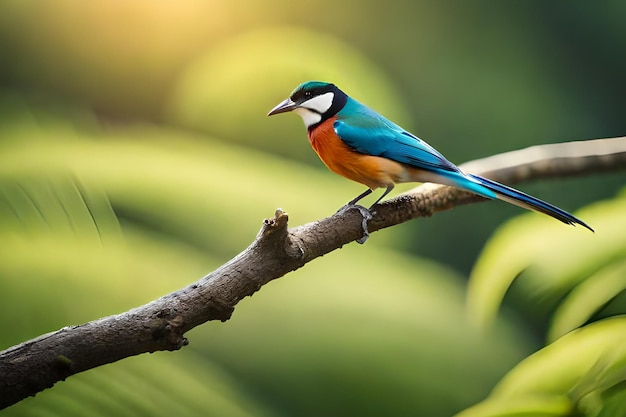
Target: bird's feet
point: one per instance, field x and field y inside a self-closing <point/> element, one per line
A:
<point x="365" y="214"/>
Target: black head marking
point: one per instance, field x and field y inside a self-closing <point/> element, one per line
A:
<point x="311" y="89"/>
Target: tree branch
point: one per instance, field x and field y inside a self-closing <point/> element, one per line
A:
<point x="37" y="364"/>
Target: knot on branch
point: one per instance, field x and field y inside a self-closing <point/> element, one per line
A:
<point x="275" y="234"/>
<point x="168" y="330"/>
<point x="274" y="229"/>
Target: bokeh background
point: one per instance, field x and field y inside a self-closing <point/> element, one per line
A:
<point x="135" y="157"/>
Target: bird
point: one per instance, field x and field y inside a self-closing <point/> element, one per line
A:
<point x="358" y="143"/>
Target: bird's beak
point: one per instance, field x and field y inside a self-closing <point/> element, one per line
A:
<point x="284" y="106"/>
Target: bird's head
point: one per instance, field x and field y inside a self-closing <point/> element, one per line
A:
<point x="314" y="101"/>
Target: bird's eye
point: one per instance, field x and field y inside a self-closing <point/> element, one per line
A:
<point x="307" y="94"/>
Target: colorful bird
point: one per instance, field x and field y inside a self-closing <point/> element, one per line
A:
<point x="356" y="142"/>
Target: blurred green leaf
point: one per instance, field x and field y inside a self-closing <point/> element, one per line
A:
<point x="588" y="298"/>
<point x="572" y="373"/>
<point x="61" y="205"/>
<point x="562" y="365"/>
<point x="551" y="259"/>
<point x="608" y="374"/>
<point x="614" y="403"/>
<point x="529" y="406"/>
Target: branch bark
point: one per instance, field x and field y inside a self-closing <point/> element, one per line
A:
<point x="35" y="365"/>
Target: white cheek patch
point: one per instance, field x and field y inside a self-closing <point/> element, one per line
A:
<point x="308" y="117"/>
<point x="320" y="104"/>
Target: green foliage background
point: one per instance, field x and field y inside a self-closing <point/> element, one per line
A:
<point x="135" y="157"/>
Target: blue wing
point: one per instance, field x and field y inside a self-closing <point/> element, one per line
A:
<point x="369" y="133"/>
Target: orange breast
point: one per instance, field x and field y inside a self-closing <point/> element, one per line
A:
<point x="372" y="171"/>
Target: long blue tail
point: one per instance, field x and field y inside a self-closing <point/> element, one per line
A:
<point x="513" y="196"/>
